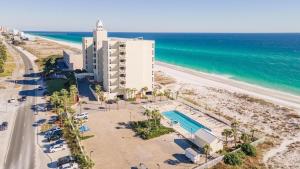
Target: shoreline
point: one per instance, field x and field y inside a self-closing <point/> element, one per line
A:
<point x="187" y="75"/>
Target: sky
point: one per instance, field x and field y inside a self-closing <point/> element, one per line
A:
<point x="153" y="15"/>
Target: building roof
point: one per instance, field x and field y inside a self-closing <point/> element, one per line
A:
<point x="72" y="52"/>
<point x="99" y="24"/>
<point x="191" y="151"/>
<point x="205" y="135"/>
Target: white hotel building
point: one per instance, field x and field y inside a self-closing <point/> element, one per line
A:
<point x="119" y="63"/>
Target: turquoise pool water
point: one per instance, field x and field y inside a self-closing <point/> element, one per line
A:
<point x="184" y="121"/>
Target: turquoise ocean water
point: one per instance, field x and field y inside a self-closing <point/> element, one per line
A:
<point x="269" y="60"/>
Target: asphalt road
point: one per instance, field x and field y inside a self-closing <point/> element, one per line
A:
<point x="21" y="153"/>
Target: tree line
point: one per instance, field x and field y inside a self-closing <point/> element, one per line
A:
<point x="3" y="56"/>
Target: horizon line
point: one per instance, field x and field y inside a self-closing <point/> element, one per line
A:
<point x="171" y="32"/>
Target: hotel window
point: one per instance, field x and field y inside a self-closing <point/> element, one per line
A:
<point x="94" y="66"/>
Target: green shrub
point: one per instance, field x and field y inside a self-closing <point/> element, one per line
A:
<point x="241" y="154"/>
<point x="232" y="159"/>
<point x="248" y="149"/>
<point x="86" y="137"/>
<point x="148" y="129"/>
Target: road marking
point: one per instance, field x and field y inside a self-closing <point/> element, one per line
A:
<point x="22" y="137"/>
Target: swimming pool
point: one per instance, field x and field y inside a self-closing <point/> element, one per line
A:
<point x="184" y="121"/>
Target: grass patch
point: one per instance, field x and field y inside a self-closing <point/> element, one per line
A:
<point x="9" y="66"/>
<point x="249" y="162"/>
<point x="147" y="129"/>
<point x="55" y="85"/>
<point x="58" y="84"/>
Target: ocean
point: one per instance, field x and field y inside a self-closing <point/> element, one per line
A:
<point x="268" y="60"/>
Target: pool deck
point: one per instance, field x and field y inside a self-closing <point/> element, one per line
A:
<point x="214" y="125"/>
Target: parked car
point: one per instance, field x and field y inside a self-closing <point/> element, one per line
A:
<point x="53" y="119"/>
<point x="83" y="115"/>
<point x="61" y="141"/>
<point x="69" y="166"/>
<point x="57" y="147"/>
<point x="54" y="132"/>
<point x="65" y="162"/>
<point x="12" y="100"/>
<point x="51" y="130"/>
<point x="40" y="108"/>
<point x="54" y="137"/>
<point x="4" y="126"/>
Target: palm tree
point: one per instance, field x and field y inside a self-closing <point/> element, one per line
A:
<point x="55" y="100"/>
<point x="147" y="113"/>
<point x="73" y="92"/>
<point x="127" y="92"/>
<point x="227" y="133"/>
<point x="117" y="101"/>
<point x="154" y="93"/>
<point x="134" y="92"/>
<point x="65" y="98"/>
<point x="156" y="116"/>
<point x="98" y="91"/>
<point x="207" y="149"/>
<point x="245" y="138"/>
<point x="253" y="130"/>
<point x="144" y="90"/>
<point x="60" y="110"/>
<point x="160" y="94"/>
<point x="235" y="126"/>
<point x="177" y="94"/>
<point x="167" y="93"/>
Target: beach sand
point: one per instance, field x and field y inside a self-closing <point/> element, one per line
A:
<point x="275" y="114"/>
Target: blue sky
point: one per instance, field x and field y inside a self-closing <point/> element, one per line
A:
<point x="153" y="15"/>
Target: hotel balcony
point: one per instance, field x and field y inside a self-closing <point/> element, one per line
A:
<point x="114" y="75"/>
<point x="122" y="79"/>
<point x="113" y="69"/>
<point x="113" y="82"/>
<point x="122" y="49"/>
<point x="113" y="65"/>
<point x="122" y="84"/>
<point x="122" y="57"/>
<point x="122" y="44"/>
<point x="122" y="64"/>
<point x="122" y="71"/>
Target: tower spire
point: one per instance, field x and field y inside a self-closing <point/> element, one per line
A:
<point x="99" y="25"/>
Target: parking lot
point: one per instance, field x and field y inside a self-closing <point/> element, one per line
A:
<point x="114" y="145"/>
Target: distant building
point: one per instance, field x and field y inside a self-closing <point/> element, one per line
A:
<point x="119" y="63"/>
<point x="88" y="52"/>
<point x="203" y="137"/>
<point x="73" y="59"/>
